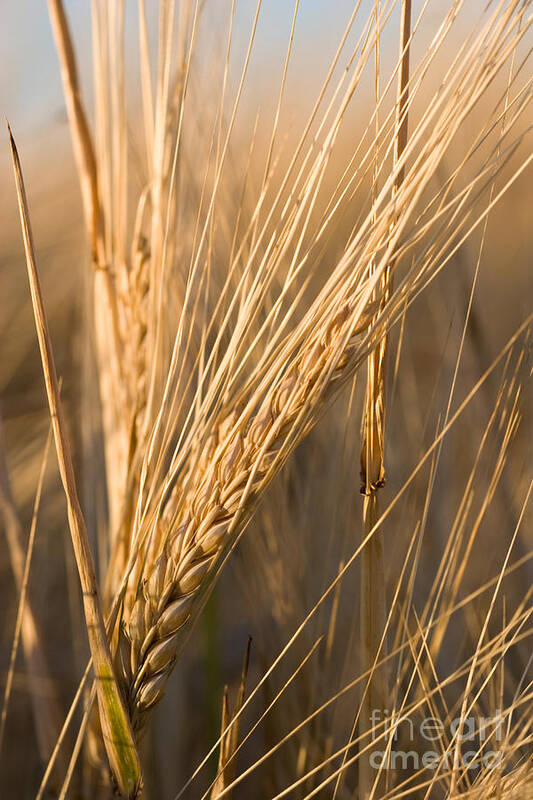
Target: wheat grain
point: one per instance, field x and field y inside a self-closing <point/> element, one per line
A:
<point x="214" y="517"/>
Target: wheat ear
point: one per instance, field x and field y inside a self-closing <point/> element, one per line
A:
<point x="109" y="341"/>
<point x="217" y="507"/>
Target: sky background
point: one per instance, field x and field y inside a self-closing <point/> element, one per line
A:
<point x="30" y="88"/>
<point x="32" y="99"/>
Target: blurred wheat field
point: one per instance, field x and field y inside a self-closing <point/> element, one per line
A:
<point x="284" y="254"/>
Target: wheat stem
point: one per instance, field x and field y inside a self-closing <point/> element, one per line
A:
<point x="373" y="606"/>
<point x="117" y="735"/>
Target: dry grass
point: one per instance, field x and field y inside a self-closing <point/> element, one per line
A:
<point x="230" y="310"/>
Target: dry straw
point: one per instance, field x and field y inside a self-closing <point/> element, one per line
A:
<point x="373" y="603"/>
<point x="116" y="730"/>
<point x="203" y="400"/>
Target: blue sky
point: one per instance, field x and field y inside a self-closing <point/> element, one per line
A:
<point x="30" y="86"/>
<point x="30" y="89"/>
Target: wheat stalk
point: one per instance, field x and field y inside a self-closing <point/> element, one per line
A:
<point x="114" y="722"/>
<point x="373" y="605"/>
